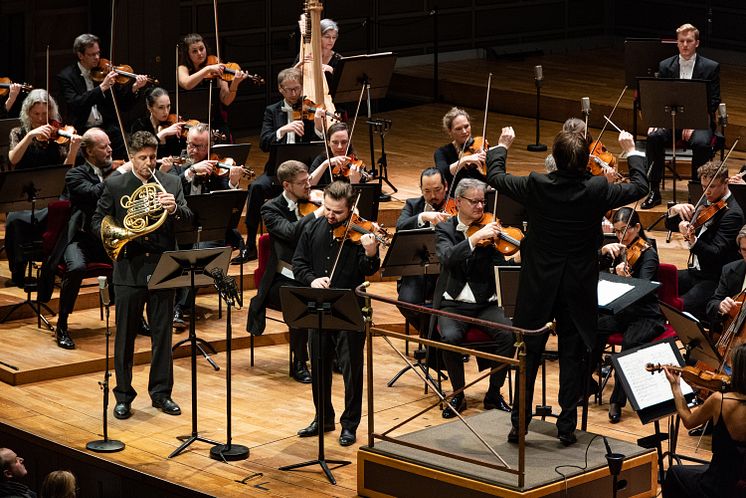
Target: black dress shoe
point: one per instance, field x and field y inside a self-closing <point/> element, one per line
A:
<point x="615" y="413"/>
<point x="702" y="430"/>
<point x="144" y="328"/>
<point x="496" y="403"/>
<point x="244" y="256"/>
<point x="347" y="437"/>
<point x="313" y="429"/>
<point x="63" y="339"/>
<point x="457" y="403"/>
<point x="300" y="372"/>
<point x="167" y="406"/>
<point x="567" y="438"/>
<point x="654" y="199"/>
<point x="179" y="322"/>
<point x="513" y="435"/>
<point x="122" y="410"/>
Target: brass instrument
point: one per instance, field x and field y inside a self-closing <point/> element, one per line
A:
<point x="144" y="215"/>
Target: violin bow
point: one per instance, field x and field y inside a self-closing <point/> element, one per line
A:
<point x="178" y="117"/>
<point x="47" y="84"/>
<point x="344" y="237"/>
<point x="608" y="120"/>
<point x="720" y="168"/>
<point x="217" y="38"/>
<point x="486" y="110"/>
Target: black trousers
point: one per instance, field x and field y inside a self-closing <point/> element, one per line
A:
<point x="261" y="189"/>
<point x="18" y="231"/>
<point x="695" y="291"/>
<point x="82" y="250"/>
<point x="453" y="331"/>
<point x="298" y="337"/>
<point x="655" y="151"/>
<point x="184" y="295"/>
<point x="416" y="290"/>
<point x="349" y="351"/>
<point x="130" y="303"/>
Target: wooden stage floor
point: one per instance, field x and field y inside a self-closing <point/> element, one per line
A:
<point x="268" y="406"/>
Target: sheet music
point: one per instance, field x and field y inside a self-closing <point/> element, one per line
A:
<point x="649" y="389"/>
<point x="609" y="291"/>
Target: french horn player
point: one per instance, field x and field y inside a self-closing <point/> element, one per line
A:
<point x="135" y="219"/>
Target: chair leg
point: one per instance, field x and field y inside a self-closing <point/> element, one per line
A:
<point x="406" y="332"/>
<point x="290" y="355"/>
<point x="251" y="349"/>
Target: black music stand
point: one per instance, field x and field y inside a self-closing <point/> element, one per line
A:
<point x="321" y="309"/>
<point x="6" y="125"/>
<point x="304" y="152"/>
<point x="682" y="103"/>
<point x="37" y="187"/>
<point x="739" y="192"/>
<point x="372" y="72"/>
<point x="511" y="213"/>
<point x="239" y="152"/>
<point x="693" y="336"/>
<point x="190" y="268"/>
<point x="370" y="197"/>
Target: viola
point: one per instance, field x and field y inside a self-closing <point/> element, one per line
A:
<point x="475" y="145"/>
<point x="450" y="207"/>
<point x="696" y="376"/>
<point x="172" y="119"/>
<point x="635" y="250"/>
<point x="703" y="214"/>
<point x="305" y="110"/>
<point x="223" y="166"/>
<point x="359" y="226"/>
<point x="509" y="240"/>
<point x="345" y="171"/>
<point x="124" y="72"/>
<point x="61" y="134"/>
<point x="734" y="329"/>
<point x="5" y="86"/>
<point x="231" y="69"/>
<point x="306" y="207"/>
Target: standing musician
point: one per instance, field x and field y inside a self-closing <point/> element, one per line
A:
<point x="197" y="69"/>
<point x="710" y="240"/>
<point x="90" y="104"/>
<point x="449" y="159"/>
<point x="466" y="285"/>
<point x="313" y="262"/>
<point x="728" y="410"/>
<point x="132" y="271"/>
<point x="559" y="275"/>
<point x="284" y="223"/>
<point x="282" y="123"/>
<point x="342" y="163"/>
<point x="157" y="122"/>
<point x="642" y="321"/>
<point x="732" y="282"/>
<point x="421" y="212"/>
<point x="687" y="65"/>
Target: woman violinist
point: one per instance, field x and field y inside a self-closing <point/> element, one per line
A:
<point x="342" y="162"/>
<point x="642" y="321"/>
<point x="457" y="159"/>
<point x="32" y="144"/>
<point x="161" y="123"/>
<point x="195" y="69"/>
<point x="728" y="411"/>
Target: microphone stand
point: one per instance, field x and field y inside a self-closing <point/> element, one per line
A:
<point x="105" y="445"/>
<point x="539" y="79"/>
<point x="723" y="122"/>
<point x="615" y="461"/>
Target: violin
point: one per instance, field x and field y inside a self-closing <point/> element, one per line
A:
<point x="172" y="119"/>
<point x="695" y="376"/>
<point x="635" y="250"/>
<point x="5" y="86"/>
<point x="509" y="241"/>
<point x="124" y="73"/>
<point x="345" y="171"/>
<point x="223" y="166"/>
<point x="475" y="145"/>
<point x="305" y="110"/>
<point x="61" y="134"/>
<point x="450" y="207"/>
<point x="703" y="214"/>
<point x="307" y="207"/>
<point x="359" y="226"/>
<point x="231" y="69"/>
<point x="734" y="329"/>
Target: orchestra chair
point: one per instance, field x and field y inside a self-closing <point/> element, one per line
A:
<point x="263" y="251"/>
<point x="58" y="216"/>
<point x="668" y="293"/>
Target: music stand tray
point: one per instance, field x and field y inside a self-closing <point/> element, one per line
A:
<point x="215" y="212"/>
<point x="641" y="288"/>
<point x="412" y="252"/>
<point x="642" y="57"/>
<point x="692" y="335"/>
<point x="304" y="152"/>
<point x="44" y="185"/>
<point x="739" y="192"/>
<point x="358" y="70"/>
<point x="659" y="96"/>
<point x="239" y="152"/>
<point x="511" y="213"/>
<point x="6" y="125"/>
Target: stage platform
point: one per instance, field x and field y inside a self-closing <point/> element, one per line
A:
<point x="392" y="470"/>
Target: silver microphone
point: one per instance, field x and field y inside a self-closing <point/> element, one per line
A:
<point x="103" y="289"/>
<point x="722" y="114"/>
<point x="585" y="105"/>
<point x="538" y="73"/>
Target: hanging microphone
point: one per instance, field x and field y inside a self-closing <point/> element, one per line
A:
<point x="615" y="460"/>
<point x="723" y="114"/>
<point x="103" y="289"/>
<point x="585" y="105"/>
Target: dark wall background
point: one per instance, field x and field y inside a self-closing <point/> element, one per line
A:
<point x="262" y="35"/>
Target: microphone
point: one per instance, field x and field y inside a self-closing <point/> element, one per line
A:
<point x="585" y="105"/>
<point x="614" y="460"/>
<point x="538" y="73"/>
<point x="103" y="289"/>
<point x="722" y="114"/>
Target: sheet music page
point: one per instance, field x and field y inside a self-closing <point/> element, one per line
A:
<point x="609" y="291"/>
<point x="649" y="389"/>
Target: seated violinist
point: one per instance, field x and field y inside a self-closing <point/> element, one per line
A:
<point x="157" y="122"/>
<point x="342" y="163"/>
<point x="421" y="212"/>
<point x="723" y="303"/>
<point x="728" y="411"/>
<point x="710" y="233"/>
<point x="456" y="159"/>
<point x="466" y="286"/>
<point x="642" y="321"/>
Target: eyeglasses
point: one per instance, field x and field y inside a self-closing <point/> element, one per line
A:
<point x="191" y="145"/>
<point x="292" y="89"/>
<point x="473" y="202"/>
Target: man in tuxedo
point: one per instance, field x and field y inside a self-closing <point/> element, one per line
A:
<point x="422" y="212"/>
<point x="731" y="284"/>
<point x="284" y="224"/>
<point x="278" y="126"/>
<point x="134" y="268"/>
<point x="687" y="65"/>
<point x="711" y="245"/>
<point x="559" y="272"/>
<point x="313" y="261"/>
<point x="89" y="103"/>
<point x="13" y="470"/>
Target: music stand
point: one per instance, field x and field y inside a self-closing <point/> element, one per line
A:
<point x="370" y="197"/>
<point x="190" y="268"/>
<point x="304" y="152"/>
<point x="321" y="309"/>
<point x="372" y="72"/>
<point x="6" y="125"/>
<point x="239" y="152"/>
<point x="693" y="336"/>
<point x="683" y="103"/>
<point x="739" y="192"/>
<point x="37" y="187"/>
<point x="510" y="212"/>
